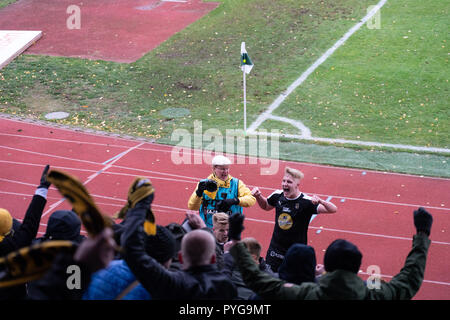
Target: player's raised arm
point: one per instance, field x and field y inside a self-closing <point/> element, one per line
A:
<point x="324" y="206"/>
<point x="262" y="201"/>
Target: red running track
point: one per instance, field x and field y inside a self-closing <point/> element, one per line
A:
<point x="119" y="30"/>
<point x="374" y="208"/>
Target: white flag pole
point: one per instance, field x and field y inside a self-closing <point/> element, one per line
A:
<point x="245" y="104"/>
<point x="246" y="65"/>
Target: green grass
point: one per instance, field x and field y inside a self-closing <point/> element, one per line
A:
<point x="4" y="3"/>
<point x="198" y="69"/>
<point x="387" y="85"/>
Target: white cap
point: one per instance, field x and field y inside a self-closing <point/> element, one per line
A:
<point x="220" y="161"/>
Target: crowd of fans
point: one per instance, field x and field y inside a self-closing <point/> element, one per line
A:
<point x="190" y="260"/>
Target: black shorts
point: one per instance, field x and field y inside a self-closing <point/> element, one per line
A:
<point x="274" y="258"/>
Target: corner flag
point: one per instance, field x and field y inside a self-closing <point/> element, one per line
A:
<point x="246" y="62"/>
<point x="246" y="67"/>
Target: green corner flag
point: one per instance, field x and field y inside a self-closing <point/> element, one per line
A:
<point x="246" y="62"/>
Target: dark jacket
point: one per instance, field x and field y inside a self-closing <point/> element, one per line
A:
<point x="27" y="231"/>
<point x="22" y="237"/>
<point x="202" y="282"/>
<point x="339" y="284"/>
<point x="53" y="285"/>
<point x="219" y="255"/>
<point x="232" y="271"/>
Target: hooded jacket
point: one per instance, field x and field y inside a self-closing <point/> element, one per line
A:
<point x="338" y="284"/>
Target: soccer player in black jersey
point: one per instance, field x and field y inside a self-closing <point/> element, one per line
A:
<point x="293" y="212"/>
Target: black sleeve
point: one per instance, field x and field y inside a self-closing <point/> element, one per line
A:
<point x="313" y="207"/>
<point x="54" y="284"/>
<point x="405" y="284"/>
<point x="228" y="265"/>
<point x="273" y="198"/>
<point x="28" y="230"/>
<point x="157" y="280"/>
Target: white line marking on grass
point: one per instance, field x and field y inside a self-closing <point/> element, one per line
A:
<point x="356" y="142"/>
<point x="305" y="131"/>
<point x="262" y="117"/>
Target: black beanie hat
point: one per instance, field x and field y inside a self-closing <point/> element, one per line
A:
<point x="161" y="246"/>
<point x="299" y="264"/>
<point x="342" y="254"/>
<point x="64" y="225"/>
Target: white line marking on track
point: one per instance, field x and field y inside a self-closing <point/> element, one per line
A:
<point x="168" y="149"/>
<point x="64" y="140"/>
<point x="427" y="281"/>
<point x="247" y="218"/>
<point x="93" y="176"/>
<point x="72" y="130"/>
<point x="352" y="232"/>
<point x="50" y="155"/>
<point x="180" y="179"/>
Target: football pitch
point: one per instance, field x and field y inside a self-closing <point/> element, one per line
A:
<point x="387" y="84"/>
